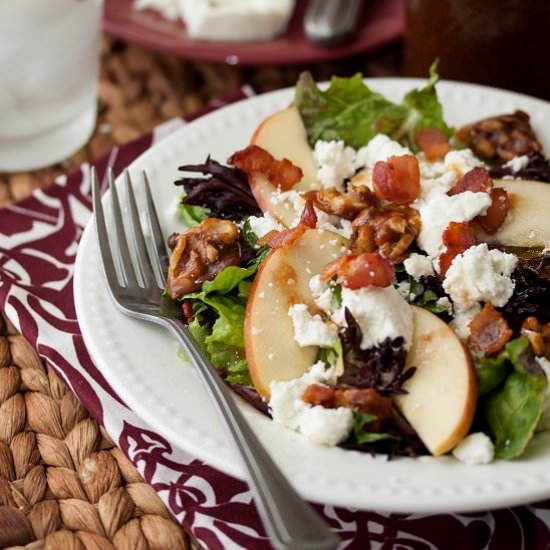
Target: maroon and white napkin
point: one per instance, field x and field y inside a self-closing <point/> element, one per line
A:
<point x="38" y="242"/>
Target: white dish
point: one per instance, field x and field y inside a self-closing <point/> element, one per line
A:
<point x="140" y="361"/>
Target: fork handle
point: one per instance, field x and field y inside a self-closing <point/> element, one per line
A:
<point x="290" y="522"/>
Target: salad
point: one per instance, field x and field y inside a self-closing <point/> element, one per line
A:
<point x="372" y="278"/>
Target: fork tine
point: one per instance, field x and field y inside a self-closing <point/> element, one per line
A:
<point x="160" y="260"/>
<point x="103" y="239"/>
<point x="129" y="272"/>
<point x="143" y="260"/>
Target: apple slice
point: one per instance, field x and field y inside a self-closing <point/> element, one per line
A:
<point x="442" y="393"/>
<point x="283" y="280"/>
<point x="284" y="136"/>
<point x="528" y="221"/>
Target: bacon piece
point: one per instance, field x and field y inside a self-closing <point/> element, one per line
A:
<point x="281" y="173"/>
<point x="458" y="237"/>
<point x="316" y="394"/>
<point x="367" y="400"/>
<point x="359" y="270"/>
<point x="497" y="212"/>
<point x="287" y="237"/>
<point x="282" y="239"/>
<point x="489" y="331"/>
<point x="398" y="179"/>
<point x="309" y="216"/>
<point x="432" y="143"/>
<point x="476" y="180"/>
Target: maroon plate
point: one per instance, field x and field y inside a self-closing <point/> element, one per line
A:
<point x="383" y="21"/>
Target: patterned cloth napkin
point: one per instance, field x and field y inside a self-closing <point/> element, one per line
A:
<point x="38" y="242"/>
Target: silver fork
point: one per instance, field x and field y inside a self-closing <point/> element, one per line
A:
<point x="137" y="291"/>
<point x="332" y="22"/>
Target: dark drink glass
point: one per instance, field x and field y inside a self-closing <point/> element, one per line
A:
<point x="503" y="43"/>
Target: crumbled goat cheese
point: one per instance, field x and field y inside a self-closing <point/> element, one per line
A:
<point x="311" y="330"/>
<point x="323" y="295"/>
<point x="462" y="319"/>
<point x="335" y="162"/>
<point x="380" y="147"/>
<point x="381" y="313"/>
<point x="544" y="421"/>
<point x="438" y="210"/>
<point x="291" y="201"/>
<point x="461" y="161"/>
<point x="262" y="225"/>
<point x="475" y="448"/>
<point x="517" y="163"/>
<point x="480" y="275"/>
<point x="445" y="304"/>
<point x="335" y="224"/>
<point x="433" y="187"/>
<point x="319" y="425"/>
<point x="418" y="265"/>
<point x="430" y="169"/>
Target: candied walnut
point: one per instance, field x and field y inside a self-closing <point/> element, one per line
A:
<point x="281" y="173"/>
<point x="398" y="179"/>
<point x="390" y="229"/>
<point x="497" y="212"/>
<point x="346" y="205"/>
<point x="501" y="137"/>
<point x="367" y="400"/>
<point x="538" y="334"/>
<point x="359" y="270"/>
<point x="476" y="180"/>
<point x="458" y="237"/>
<point x="432" y="143"/>
<point x="200" y="254"/>
<point x="489" y="331"/>
<point x="316" y="394"/>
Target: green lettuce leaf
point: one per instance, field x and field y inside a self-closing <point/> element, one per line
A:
<point x="359" y="436"/>
<point x="513" y="410"/>
<point x="332" y="356"/>
<point x="491" y="372"/>
<point x="425" y="111"/>
<point x="225" y="281"/>
<point x="219" y="311"/>
<point x="191" y="215"/>
<point x="350" y="111"/>
<point x="248" y="235"/>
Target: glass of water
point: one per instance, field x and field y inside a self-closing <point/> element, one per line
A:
<point x="49" y="57"/>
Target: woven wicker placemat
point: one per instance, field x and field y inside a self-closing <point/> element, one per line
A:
<point x="63" y="483"/>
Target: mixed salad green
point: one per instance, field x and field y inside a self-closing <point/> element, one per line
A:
<point x="511" y="384"/>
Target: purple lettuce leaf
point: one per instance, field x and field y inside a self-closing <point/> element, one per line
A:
<point x="225" y="190"/>
<point x="537" y="168"/>
<point x="381" y="367"/>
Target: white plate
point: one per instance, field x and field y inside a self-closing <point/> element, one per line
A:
<point x="140" y="360"/>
